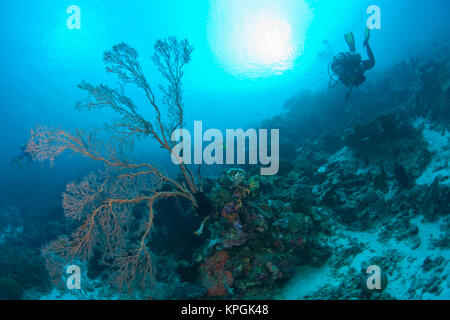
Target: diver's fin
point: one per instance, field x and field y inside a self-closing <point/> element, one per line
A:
<point x="366" y="37"/>
<point x="350" y="39"/>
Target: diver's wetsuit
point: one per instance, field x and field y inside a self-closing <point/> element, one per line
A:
<point x="349" y="67"/>
<point x="352" y="68"/>
<point x="369" y="64"/>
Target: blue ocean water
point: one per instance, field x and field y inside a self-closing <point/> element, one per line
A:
<point x="255" y="64"/>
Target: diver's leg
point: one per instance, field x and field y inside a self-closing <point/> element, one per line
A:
<point x="368" y="64"/>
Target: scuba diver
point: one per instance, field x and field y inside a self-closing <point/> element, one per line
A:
<point x="16" y="163"/>
<point x="349" y="67"/>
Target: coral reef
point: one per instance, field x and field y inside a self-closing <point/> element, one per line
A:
<point x="260" y="241"/>
<point x="361" y="182"/>
<point x="215" y="277"/>
<point x="382" y="189"/>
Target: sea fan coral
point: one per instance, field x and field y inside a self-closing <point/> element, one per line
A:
<point x="103" y="203"/>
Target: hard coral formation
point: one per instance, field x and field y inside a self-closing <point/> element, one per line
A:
<point x="215" y="277"/>
<point x="231" y="212"/>
<point x="264" y="239"/>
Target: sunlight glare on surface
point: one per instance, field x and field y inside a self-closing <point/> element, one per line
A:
<point x="260" y="38"/>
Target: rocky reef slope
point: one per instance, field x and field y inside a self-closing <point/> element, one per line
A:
<point x="361" y="182"/>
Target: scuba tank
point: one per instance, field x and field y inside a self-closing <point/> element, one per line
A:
<point x="343" y="66"/>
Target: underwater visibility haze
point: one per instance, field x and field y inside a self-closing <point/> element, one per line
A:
<point x="225" y="149"/>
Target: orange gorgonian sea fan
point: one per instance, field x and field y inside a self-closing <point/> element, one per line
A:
<point x="103" y="203"/>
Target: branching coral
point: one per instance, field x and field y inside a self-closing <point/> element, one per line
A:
<point x="103" y="203"/>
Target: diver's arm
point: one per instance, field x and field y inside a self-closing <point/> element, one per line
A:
<point x="368" y="64"/>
